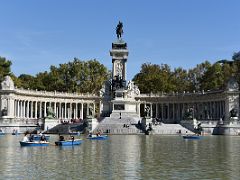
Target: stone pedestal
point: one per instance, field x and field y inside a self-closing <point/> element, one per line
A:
<point x="146" y="123"/>
<point x="50" y="123"/>
<point x="92" y="123"/>
<point x="119" y="95"/>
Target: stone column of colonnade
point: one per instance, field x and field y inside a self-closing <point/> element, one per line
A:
<point x="174" y="112"/>
<point x="34" y="109"/>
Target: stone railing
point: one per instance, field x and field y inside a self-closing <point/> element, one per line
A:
<point x="163" y="94"/>
<point x="53" y="93"/>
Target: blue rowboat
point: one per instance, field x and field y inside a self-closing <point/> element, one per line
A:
<point x="69" y="142"/>
<point x="34" y="143"/>
<point x="95" y="137"/>
<point x="192" y="137"/>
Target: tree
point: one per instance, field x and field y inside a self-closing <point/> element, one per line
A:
<point x="236" y="56"/>
<point x="26" y="81"/>
<point x="5" y="68"/>
<point x="213" y="78"/>
<point x="195" y="76"/>
<point x="76" y="76"/>
<point x="154" y="78"/>
<point x="180" y="79"/>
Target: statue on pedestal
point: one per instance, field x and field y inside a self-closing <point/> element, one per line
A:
<point x="119" y="29"/>
<point x="147" y="112"/>
<point x="50" y="113"/>
<point x="91" y="112"/>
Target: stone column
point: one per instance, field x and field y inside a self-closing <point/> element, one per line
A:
<point x="40" y="109"/>
<point x="59" y="110"/>
<point x="24" y="108"/>
<point x="81" y="111"/>
<point x="17" y="108"/>
<point x="55" y="108"/>
<point x="65" y="110"/>
<point x="45" y="109"/>
<point x="27" y="109"/>
<point x="36" y="109"/>
<point x="71" y="110"/>
<point x="20" y="109"/>
<point x="31" y="111"/>
<point x="75" y="111"/>
<point x="87" y="109"/>
<point x="61" y="106"/>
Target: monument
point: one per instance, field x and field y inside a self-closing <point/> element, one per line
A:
<point x="118" y="93"/>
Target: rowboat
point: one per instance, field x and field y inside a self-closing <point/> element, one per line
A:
<point x="95" y="137"/>
<point x="69" y="142"/>
<point x="192" y="137"/>
<point x="34" y="143"/>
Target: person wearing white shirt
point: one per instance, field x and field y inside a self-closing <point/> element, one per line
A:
<point x="25" y="138"/>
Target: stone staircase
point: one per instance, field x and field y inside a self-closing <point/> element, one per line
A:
<point x="169" y="129"/>
<point x="125" y="125"/>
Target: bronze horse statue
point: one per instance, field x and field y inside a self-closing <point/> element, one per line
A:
<point x="119" y="29"/>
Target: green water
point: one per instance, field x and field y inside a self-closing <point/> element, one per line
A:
<point x="124" y="157"/>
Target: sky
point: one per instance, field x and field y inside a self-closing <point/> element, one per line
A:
<point x="181" y="33"/>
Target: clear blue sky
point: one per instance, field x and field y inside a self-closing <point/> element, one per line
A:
<point x="181" y="33"/>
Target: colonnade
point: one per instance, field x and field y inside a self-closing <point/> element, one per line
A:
<point x="174" y="112"/>
<point x="34" y="109"/>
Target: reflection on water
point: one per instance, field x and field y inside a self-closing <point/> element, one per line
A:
<point x="124" y="157"/>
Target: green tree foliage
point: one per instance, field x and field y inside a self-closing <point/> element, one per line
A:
<point x="5" y="67"/>
<point x="88" y="76"/>
<point x="195" y="76"/>
<point x="26" y="81"/>
<point x="154" y="78"/>
<point x="205" y="76"/>
<point x="180" y="79"/>
<point x="76" y="76"/>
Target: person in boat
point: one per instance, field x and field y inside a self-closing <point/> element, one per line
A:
<point x="25" y="138"/>
<point x="98" y="133"/>
<point x="31" y="138"/>
<point x="72" y="138"/>
<point x="61" y="138"/>
<point x="43" y="138"/>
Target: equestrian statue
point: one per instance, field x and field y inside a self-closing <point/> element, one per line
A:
<point x="119" y="29"/>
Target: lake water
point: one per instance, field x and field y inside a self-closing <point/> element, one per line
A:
<point x="124" y="157"/>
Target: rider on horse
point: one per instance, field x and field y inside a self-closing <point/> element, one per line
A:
<point x="119" y="29"/>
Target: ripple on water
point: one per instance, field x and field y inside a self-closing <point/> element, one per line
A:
<point x="123" y="157"/>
